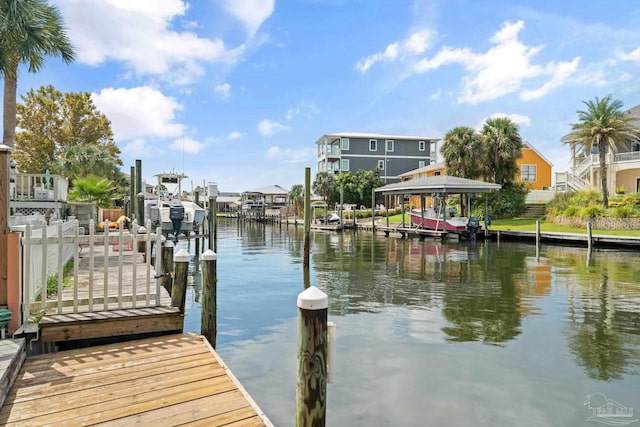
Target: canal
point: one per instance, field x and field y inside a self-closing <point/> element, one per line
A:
<point x="456" y="334"/>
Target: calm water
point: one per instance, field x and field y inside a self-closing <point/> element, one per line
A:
<point x="458" y="334"/>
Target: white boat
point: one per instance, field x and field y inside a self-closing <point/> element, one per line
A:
<point x="174" y="213"/>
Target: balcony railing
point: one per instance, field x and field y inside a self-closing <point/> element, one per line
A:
<point x="38" y="187"/>
<point x="632" y="156"/>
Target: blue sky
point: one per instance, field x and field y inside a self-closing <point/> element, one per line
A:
<point x="238" y="91"/>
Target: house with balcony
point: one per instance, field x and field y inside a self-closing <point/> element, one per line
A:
<point x="534" y="170"/>
<point x="392" y="154"/>
<point x="623" y="166"/>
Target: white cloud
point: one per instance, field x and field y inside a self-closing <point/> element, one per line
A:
<point x="235" y="135"/>
<point x="289" y="155"/>
<point x="136" y="147"/>
<point x="502" y="69"/>
<point x="252" y="13"/>
<point x="436" y="95"/>
<point x="269" y="127"/>
<point x="305" y="109"/>
<point x="139" y="112"/>
<point x="518" y="119"/>
<point x="186" y="145"/>
<point x="140" y="34"/>
<point x="416" y="44"/>
<point x="223" y="91"/>
<point x="633" y="56"/>
<point x="561" y="73"/>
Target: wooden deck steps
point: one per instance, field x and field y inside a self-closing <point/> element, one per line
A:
<point x="169" y="380"/>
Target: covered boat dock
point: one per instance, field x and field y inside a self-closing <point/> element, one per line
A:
<point x="436" y="186"/>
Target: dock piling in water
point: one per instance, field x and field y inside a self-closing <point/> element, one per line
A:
<point x="311" y="385"/>
<point x="179" y="289"/>
<point x="209" y="319"/>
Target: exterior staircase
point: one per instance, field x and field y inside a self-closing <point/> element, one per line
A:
<point x="534" y="211"/>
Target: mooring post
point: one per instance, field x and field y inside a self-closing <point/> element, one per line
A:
<point x="373" y="210"/>
<point x="209" y="326"/>
<point x="311" y="386"/>
<point x="167" y="265"/>
<point x="589" y="236"/>
<point x="179" y="288"/>
<point x="537" y="234"/>
<point x="307" y="215"/>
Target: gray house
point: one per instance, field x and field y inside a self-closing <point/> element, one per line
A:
<point x="392" y="154"/>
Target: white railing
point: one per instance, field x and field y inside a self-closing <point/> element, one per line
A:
<point x="632" y="156"/>
<point x="27" y="186"/>
<point x="121" y="284"/>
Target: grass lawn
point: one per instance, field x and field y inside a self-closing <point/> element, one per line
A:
<point x="525" y="224"/>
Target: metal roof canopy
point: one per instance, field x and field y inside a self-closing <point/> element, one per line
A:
<point x="442" y="184"/>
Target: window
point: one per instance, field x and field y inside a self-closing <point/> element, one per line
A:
<point x="389" y="145"/>
<point x="421" y="145"/>
<point x="345" y="143"/>
<point x="437" y="173"/>
<point x="421" y="164"/>
<point x="345" y="165"/>
<point x="373" y="145"/>
<point x="635" y="146"/>
<point x="381" y="165"/>
<point x="528" y="173"/>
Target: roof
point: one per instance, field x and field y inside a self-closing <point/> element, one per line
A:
<point x="375" y="136"/>
<point x="531" y="147"/>
<point x="428" y="168"/>
<point x="269" y="189"/>
<point x="439" y="184"/>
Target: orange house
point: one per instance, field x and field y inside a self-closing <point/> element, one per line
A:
<point x="535" y="170"/>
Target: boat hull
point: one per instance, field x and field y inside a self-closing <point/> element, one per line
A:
<point x="194" y="216"/>
<point x="457" y="225"/>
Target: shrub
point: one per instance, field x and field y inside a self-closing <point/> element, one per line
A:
<point x="591" y="211"/>
<point x="620" y="190"/>
<point x="622" y="212"/>
<point x="570" y="211"/>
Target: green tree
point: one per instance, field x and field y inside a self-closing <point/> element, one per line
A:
<point x="296" y="197"/>
<point x="366" y="181"/>
<point x="80" y="161"/>
<point x="324" y="185"/>
<point x="30" y="30"/>
<point x="92" y="189"/>
<point x="347" y="181"/>
<point x="52" y="123"/>
<point x="462" y="150"/>
<point x="503" y="148"/>
<point x="602" y="125"/>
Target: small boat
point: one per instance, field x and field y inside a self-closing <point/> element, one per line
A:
<point x="461" y="225"/>
<point x="175" y="214"/>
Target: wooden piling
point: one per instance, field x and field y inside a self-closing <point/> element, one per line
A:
<point x="589" y="236"/>
<point x="373" y="210"/>
<point x="209" y="328"/>
<point x="307" y="215"/>
<point x="537" y="234"/>
<point x="167" y="265"/>
<point x="139" y="193"/>
<point x="311" y="386"/>
<point x="179" y="289"/>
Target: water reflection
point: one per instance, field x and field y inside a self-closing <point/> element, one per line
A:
<point x="421" y="321"/>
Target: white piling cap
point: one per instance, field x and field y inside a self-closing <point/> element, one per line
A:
<point x="208" y="255"/>
<point x="313" y="298"/>
<point x="181" y="256"/>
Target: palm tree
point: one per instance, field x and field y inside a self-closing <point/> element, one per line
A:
<point x="93" y="190"/>
<point x="462" y="152"/>
<point x="503" y="146"/>
<point x="296" y="196"/>
<point x="79" y="161"/>
<point x="324" y="185"/>
<point x="30" y="30"/>
<point x="604" y="125"/>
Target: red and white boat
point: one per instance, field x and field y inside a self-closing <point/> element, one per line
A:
<point x="432" y="221"/>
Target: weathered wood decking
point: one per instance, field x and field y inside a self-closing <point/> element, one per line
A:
<point x="164" y="381"/>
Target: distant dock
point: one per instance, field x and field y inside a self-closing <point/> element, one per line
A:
<point x="169" y="380"/>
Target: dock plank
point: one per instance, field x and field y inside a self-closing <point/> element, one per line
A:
<point x="170" y="380"/>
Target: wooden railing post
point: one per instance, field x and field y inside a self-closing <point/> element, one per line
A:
<point x="179" y="289"/>
<point x="167" y="265"/>
<point x="311" y="387"/>
<point x="209" y="328"/>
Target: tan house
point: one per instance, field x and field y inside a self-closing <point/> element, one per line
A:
<point x="623" y="166"/>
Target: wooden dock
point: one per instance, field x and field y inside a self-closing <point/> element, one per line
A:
<point x="170" y="380"/>
<point x="600" y="240"/>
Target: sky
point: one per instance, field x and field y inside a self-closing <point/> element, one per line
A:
<point x="238" y="91"/>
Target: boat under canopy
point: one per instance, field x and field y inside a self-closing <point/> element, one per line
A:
<point x="439" y="187"/>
